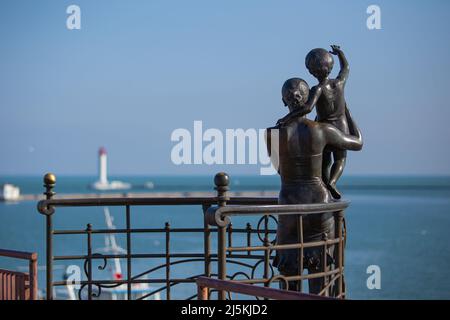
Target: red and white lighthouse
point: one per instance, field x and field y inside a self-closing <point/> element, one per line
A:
<point x="103" y="183"/>
<point x="102" y="166"/>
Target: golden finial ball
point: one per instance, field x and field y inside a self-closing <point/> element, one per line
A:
<point x="49" y="178"/>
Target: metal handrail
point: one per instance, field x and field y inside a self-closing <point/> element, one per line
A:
<point x="204" y="284"/>
<point x="18" y="254"/>
<point x="219" y="216"/>
<point x="156" y="201"/>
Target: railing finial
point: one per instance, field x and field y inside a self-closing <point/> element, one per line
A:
<point x="49" y="184"/>
<point x="222" y="181"/>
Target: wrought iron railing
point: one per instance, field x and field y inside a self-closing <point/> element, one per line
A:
<point x="243" y="261"/>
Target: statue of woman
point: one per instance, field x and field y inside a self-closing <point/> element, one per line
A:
<point x="298" y="159"/>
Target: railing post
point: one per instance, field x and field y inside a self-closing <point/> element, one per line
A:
<point x="248" y="229"/>
<point x="339" y="216"/>
<point x="206" y="242"/>
<point x="129" y="273"/>
<point x="267" y="251"/>
<point x="324" y="262"/>
<point x="89" y="259"/>
<point x="167" y="229"/>
<point x="230" y="236"/>
<point x="221" y="180"/>
<point x="300" y="252"/>
<point x="33" y="277"/>
<point x="202" y="292"/>
<point x="49" y="184"/>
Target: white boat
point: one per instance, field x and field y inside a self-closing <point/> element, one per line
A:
<point x="149" y="185"/>
<point x="110" y="185"/>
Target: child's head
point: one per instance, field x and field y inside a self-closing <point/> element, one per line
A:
<point x="295" y="93"/>
<point x="319" y="63"/>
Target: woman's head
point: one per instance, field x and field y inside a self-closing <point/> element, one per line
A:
<point x="295" y="92"/>
<point x="319" y="63"/>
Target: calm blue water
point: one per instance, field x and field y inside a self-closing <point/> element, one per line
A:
<point x="400" y="224"/>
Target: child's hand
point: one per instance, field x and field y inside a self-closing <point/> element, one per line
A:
<point x="285" y="119"/>
<point x="335" y="49"/>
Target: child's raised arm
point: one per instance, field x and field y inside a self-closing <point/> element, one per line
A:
<point x="345" y="69"/>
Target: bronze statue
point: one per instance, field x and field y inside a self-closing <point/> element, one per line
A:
<point x="299" y="161"/>
<point x="328" y="97"/>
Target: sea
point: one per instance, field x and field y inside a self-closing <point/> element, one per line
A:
<point x="398" y="230"/>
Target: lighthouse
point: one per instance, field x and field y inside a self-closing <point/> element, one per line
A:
<point x="103" y="183"/>
<point x="102" y="166"/>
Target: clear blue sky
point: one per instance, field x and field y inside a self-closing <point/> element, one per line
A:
<point x="137" y="70"/>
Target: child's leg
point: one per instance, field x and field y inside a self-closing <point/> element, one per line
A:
<point x="336" y="171"/>
<point x="326" y="167"/>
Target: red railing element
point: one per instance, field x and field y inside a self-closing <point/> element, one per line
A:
<point x="19" y="285"/>
<point x="204" y="284"/>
